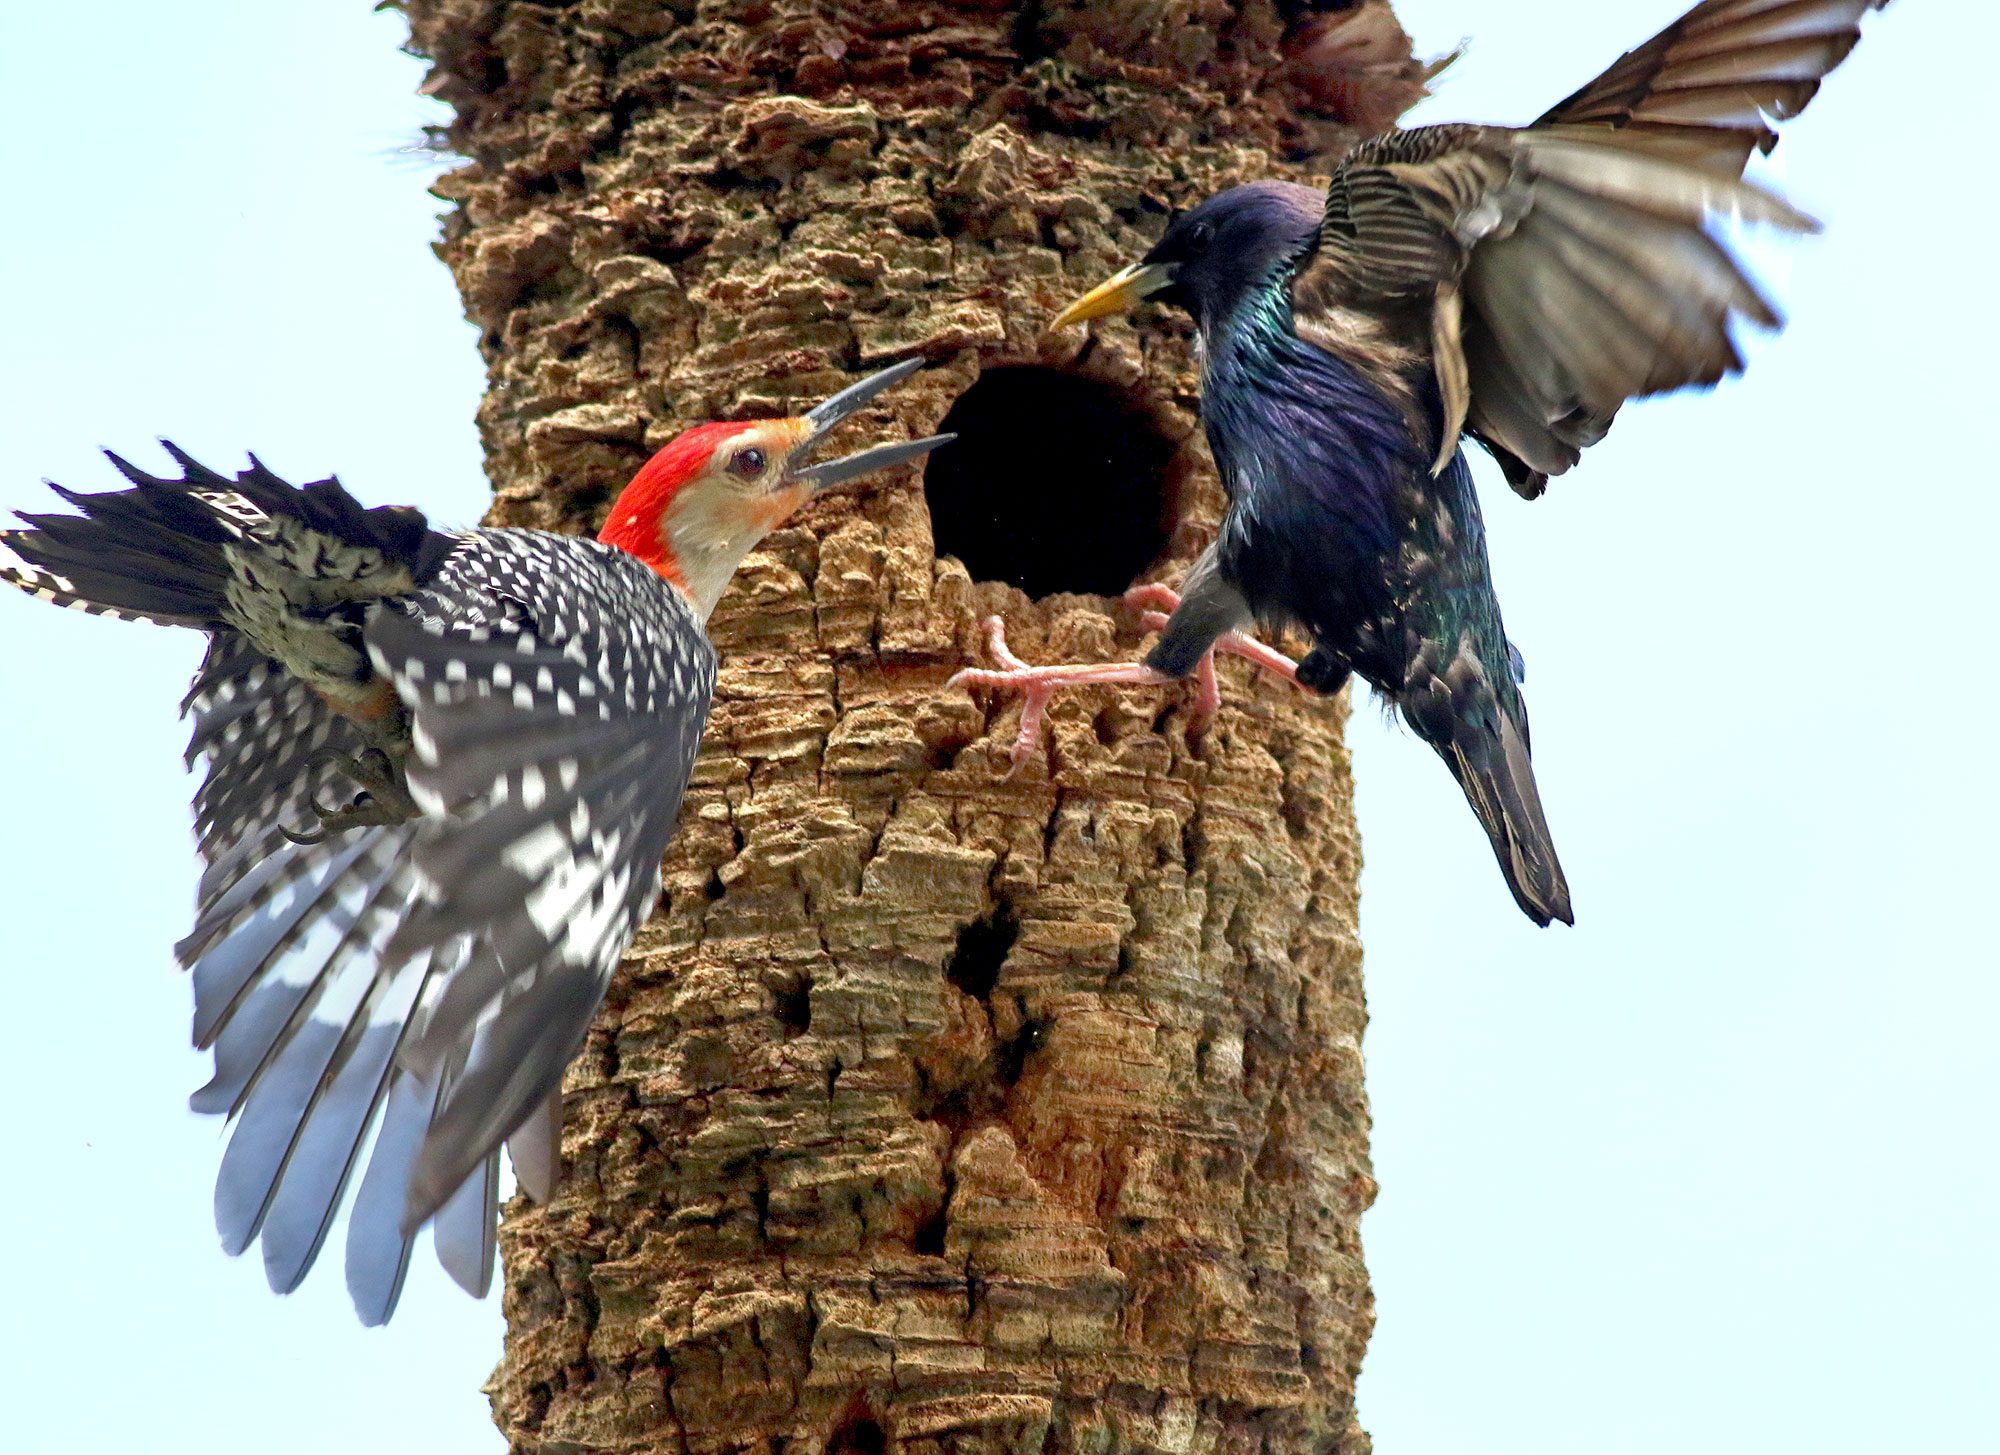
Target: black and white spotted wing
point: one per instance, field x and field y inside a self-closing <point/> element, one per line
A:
<point x="441" y="972"/>
<point x="558" y="690"/>
<point x="423" y="982"/>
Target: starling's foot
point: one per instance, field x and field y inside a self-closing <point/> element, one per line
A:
<point x="384" y="797"/>
<point x="1038" y="684"/>
<point x="1155" y="601"/>
<point x="1324" y="672"/>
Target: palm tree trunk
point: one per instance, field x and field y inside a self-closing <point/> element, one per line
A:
<point x="936" y="1108"/>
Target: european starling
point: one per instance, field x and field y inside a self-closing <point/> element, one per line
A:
<point x="1512" y="285"/>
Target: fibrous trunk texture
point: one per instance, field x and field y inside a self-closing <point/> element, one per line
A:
<point x="937" y="1107"/>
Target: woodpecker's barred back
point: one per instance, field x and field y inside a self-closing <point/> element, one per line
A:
<point x="521" y="712"/>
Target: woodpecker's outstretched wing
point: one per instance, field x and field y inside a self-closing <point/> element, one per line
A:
<point x="424" y="980"/>
<point x="1568" y="265"/>
<point x="558" y="689"/>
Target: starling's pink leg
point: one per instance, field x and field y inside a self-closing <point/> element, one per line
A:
<point x="1155" y="601"/>
<point x="1037" y="685"/>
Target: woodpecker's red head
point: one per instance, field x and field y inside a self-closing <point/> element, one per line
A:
<point x="700" y="505"/>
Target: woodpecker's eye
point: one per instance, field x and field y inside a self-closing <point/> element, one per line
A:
<point x="748" y="463"/>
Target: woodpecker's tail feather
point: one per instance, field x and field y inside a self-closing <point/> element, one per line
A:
<point x="159" y="551"/>
<point x="137" y="554"/>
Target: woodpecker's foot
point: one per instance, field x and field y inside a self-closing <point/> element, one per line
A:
<point x="384" y="797"/>
<point x="1154" y="602"/>
<point x="1037" y="685"/>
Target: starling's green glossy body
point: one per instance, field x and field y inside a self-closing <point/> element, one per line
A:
<point x="1516" y="287"/>
<point x="1337" y="525"/>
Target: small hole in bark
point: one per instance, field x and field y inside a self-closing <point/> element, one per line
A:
<point x="540" y="1397"/>
<point x="713" y="889"/>
<point x="858" y="1433"/>
<point x="794" y="1006"/>
<point x="982" y="950"/>
<point x="929" y="1236"/>
<point x="1012" y="1057"/>
<point x="1056" y="482"/>
<point x="953" y="1112"/>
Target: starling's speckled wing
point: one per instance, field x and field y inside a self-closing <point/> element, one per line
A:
<point x="1568" y="265"/>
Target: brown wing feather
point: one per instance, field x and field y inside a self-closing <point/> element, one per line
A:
<point x="1710" y="83"/>
<point x="1567" y="266"/>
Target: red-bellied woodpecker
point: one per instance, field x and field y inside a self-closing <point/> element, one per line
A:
<point x="514" y="716"/>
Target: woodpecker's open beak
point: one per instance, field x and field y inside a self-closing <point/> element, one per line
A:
<point x="821" y="420"/>
<point x="1120" y="293"/>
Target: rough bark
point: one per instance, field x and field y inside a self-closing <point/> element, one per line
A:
<point x="936" y="1107"/>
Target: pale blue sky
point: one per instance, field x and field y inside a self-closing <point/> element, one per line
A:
<point x="1714" y="1170"/>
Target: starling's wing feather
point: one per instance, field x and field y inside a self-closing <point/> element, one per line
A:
<point x="1706" y="89"/>
<point x="1567" y="266"/>
<point x="553" y="741"/>
<point x="1565" y="274"/>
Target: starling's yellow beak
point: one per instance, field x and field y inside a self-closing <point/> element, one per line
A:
<point x="1120" y="293"/>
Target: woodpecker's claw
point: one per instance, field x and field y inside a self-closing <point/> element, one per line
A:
<point x="384" y="798"/>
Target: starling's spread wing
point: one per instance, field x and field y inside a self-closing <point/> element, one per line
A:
<point x="1568" y="267"/>
<point x="558" y="690"/>
<point x="1705" y="89"/>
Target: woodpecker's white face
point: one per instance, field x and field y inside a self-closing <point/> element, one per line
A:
<point x="699" y="506"/>
<point x="745" y="491"/>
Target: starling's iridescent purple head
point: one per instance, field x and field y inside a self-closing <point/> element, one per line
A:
<point x="1213" y="256"/>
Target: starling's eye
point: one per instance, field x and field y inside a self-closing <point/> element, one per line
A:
<point x="749" y="463"/>
<point x="1200" y="236"/>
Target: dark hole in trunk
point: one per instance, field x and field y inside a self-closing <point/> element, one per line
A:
<point x="981" y="951"/>
<point x="1057" y="482"/>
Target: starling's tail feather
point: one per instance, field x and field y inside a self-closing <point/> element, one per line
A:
<point x="1499" y="782"/>
<point x="1463" y="702"/>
